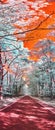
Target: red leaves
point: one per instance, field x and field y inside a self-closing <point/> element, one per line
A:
<point x="3" y="1"/>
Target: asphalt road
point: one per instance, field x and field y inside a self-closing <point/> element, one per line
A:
<point x="27" y="114"/>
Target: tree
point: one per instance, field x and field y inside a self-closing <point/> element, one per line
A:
<point x="13" y="30"/>
<point x="46" y="48"/>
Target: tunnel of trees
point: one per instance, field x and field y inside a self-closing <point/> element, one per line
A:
<point x="27" y="48"/>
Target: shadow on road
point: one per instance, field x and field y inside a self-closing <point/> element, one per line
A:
<point x="27" y="114"/>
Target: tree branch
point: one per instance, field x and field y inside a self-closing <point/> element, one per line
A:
<point x="36" y="28"/>
<point x="10" y="64"/>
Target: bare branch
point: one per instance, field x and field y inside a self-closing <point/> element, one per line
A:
<point x="10" y="64"/>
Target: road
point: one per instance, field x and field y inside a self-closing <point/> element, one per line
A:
<point x="27" y="113"/>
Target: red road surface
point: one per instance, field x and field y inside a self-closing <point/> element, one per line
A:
<point x="27" y="114"/>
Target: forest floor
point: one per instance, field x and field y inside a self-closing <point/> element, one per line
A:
<point x="6" y="101"/>
<point x="47" y="100"/>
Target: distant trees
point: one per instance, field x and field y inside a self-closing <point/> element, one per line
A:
<point x="44" y="75"/>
